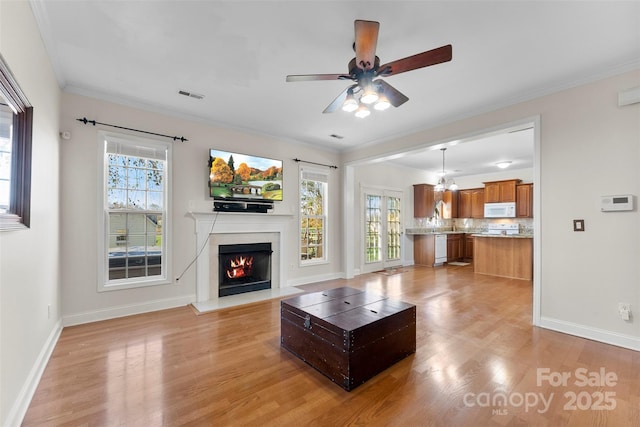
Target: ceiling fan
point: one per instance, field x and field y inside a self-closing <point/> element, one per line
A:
<point x="365" y="67"/>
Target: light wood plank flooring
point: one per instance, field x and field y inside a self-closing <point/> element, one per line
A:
<point x="475" y="344"/>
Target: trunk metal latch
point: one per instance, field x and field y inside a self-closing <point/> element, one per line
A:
<point x="307" y="321"/>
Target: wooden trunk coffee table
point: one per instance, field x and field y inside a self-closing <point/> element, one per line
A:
<point x="348" y="334"/>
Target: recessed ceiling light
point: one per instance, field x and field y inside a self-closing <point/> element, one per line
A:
<point x="503" y="165"/>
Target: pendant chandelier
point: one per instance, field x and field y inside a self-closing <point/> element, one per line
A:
<point x="443" y="183"/>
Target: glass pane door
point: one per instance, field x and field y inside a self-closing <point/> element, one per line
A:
<point x="394" y="228"/>
<point x="373" y="228"/>
<point x="382" y="229"/>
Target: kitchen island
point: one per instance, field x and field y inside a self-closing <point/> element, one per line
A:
<point x="504" y="255"/>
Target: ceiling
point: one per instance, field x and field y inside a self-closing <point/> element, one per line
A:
<point x="238" y="53"/>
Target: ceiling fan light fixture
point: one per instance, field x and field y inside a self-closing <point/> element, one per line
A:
<point x="362" y="112"/>
<point x="350" y="104"/>
<point x="369" y="96"/>
<point x="382" y="104"/>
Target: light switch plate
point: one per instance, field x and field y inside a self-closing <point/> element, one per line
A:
<point x="578" y="225"/>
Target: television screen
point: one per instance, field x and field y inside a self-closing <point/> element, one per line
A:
<point x="239" y="176"/>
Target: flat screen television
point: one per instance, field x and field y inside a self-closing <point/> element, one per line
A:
<point x="237" y="176"/>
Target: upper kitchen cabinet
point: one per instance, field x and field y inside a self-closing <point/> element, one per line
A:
<point x="464" y="203"/>
<point x="423" y="199"/>
<point x="500" y="191"/>
<point x="524" y="201"/>
<point x="477" y="203"/>
<point x="471" y="203"/>
<point x="449" y="204"/>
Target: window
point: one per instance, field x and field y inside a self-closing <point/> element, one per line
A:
<point x="313" y="216"/>
<point x="16" y="119"/>
<point x="135" y="212"/>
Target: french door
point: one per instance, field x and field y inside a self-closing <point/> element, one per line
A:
<point x="382" y="229"/>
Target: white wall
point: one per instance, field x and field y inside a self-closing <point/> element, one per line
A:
<point x="29" y="260"/>
<point x="588" y="147"/>
<point x="79" y="194"/>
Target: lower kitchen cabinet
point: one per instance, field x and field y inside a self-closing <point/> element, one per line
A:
<point x="454" y="247"/>
<point x="468" y="246"/>
<point x="424" y="252"/>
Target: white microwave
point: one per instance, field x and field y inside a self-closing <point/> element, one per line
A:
<point x="500" y="210"/>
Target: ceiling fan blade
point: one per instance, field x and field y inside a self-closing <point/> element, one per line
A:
<point x="395" y="97"/>
<point x="337" y="103"/>
<point x="420" y="60"/>
<point x="365" y="45"/>
<point x="312" y="77"/>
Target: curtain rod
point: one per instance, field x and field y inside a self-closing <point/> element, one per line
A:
<point x="93" y="122"/>
<point x="314" y="163"/>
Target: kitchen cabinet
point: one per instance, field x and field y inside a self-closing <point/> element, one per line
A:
<point x="503" y="256"/>
<point x="423" y="199"/>
<point x="424" y="252"/>
<point x="468" y="246"/>
<point x="454" y="247"/>
<point x="471" y="203"/>
<point x="524" y="201"/>
<point x="464" y="203"/>
<point x="449" y="204"/>
<point x="500" y="191"/>
<point x="477" y="203"/>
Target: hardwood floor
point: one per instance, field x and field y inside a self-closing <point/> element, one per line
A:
<point x="476" y="364"/>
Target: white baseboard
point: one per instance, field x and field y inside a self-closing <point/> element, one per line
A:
<point x="601" y="335"/>
<point x="126" y="310"/>
<point x="314" y="279"/>
<point x="19" y="409"/>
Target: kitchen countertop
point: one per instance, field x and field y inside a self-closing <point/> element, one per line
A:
<point x="430" y="231"/>
<point x="474" y="233"/>
<point x="503" y="236"/>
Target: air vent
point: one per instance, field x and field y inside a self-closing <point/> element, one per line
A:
<point x="190" y="94"/>
<point x="333" y="135"/>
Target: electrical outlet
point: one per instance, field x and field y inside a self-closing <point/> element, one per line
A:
<point x="624" y="310"/>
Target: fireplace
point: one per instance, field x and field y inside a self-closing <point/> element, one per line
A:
<point x="244" y="268"/>
<point x="215" y="229"/>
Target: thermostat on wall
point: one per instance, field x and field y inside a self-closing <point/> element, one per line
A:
<point x="623" y="202"/>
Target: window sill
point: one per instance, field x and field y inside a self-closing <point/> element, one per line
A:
<point x="10" y="222"/>
<point x="130" y="284"/>
<point x="312" y="263"/>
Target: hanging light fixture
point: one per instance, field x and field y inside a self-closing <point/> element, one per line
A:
<point x="350" y="104"/>
<point x="443" y="183"/>
<point x="362" y="112"/>
<point x="382" y="104"/>
<point x="359" y="99"/>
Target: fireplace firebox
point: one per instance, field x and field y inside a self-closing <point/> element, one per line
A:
<point x="244" y="268"/>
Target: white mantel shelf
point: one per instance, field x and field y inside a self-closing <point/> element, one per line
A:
<point x="212" y="223"/>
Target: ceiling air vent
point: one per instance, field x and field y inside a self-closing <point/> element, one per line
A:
<point x="336" y="136"/>
<point x="190" y="94"/>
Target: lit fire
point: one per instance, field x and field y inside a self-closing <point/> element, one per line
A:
<point x="240" y="267"/>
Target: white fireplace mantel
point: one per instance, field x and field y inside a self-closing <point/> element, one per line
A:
<point x="212" y="223"/>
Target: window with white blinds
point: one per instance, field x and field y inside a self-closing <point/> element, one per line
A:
<point x="135" y="212"/>
<point x="313" y="216"/>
